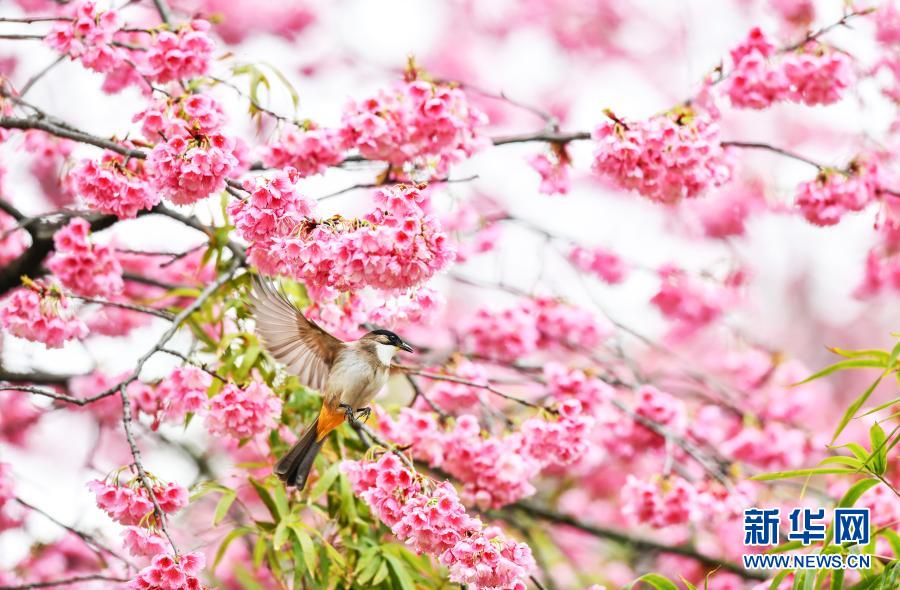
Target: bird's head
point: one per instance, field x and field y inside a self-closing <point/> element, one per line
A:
<point x="386" y="344"/>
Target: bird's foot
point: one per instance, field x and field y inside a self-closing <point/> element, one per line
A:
<point x="364" y="413"/>
<point x="351" y="414"/>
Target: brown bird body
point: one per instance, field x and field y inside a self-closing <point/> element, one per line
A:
<point x="349" y="374"/>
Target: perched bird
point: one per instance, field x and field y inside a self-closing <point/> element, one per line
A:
<point x="349" y="374"/>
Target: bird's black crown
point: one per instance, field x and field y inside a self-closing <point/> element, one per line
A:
<point x="392" y="338"/>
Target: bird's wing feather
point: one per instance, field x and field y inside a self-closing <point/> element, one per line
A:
<point x="305" y="349"/>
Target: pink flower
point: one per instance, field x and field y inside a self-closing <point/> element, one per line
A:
<point x="687" y="302"/>
<point x="817" y="74"/>
<point x="18" y="415"/>
<point x="169" y="573"/>
<point x="187" y="170"/>
<point x="183" y="392"/>
<point x="599" y="261"/>
<point x="436" y="523"/>
<point x="12" y="245"/>
<point x="309" y="151"/>
<point x="554" y="170"/>
<point x="84" y="268"/>
<point x="89" y="37"/>
<point x="797" y="13"/>
<point x="666" y="158"/>
<point x="142" y="543"/>
<point x="273" y="208"/>
<point x="40" y="317"/>
<point x="11" y="514"/>
<point x="834" y="193"/>
<point x="419" y="124"/>
<point x="130" y="504"/>
<point x="112" y="186"/>
<point x="243" y="413"/>
<point x="179" y="55"/>
<point x="660" y="504"/>
<point x="397" y="246"/>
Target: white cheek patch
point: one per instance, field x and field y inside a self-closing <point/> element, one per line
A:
<point x="385" y="352"/>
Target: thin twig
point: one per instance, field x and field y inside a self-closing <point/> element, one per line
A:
<point x="485" y="386"/>
<point x="129" y="306"/>
<point x="165" y="13"/>
<point x="66" y="581"/>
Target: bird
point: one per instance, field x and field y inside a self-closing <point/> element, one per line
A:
<point x="348" y="374"/>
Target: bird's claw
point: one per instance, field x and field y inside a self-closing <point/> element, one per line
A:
<point x="351" y="414"/>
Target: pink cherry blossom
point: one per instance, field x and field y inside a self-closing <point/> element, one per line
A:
<point x="310" y="151"/>
<point x="688" y="302"/>
<point x="243" y="413"/>
<point x="554" y="171"/>
<point x="113" y="185"/>
<point x="12" y="243"/>
<point x="660" y="504"/>
<point x="417" y="123"/>
<point x="40" y="315"/>
<point x="273" y="208"/>
<point x="183" y="392"/>
<point x="171" y="573"/>
<point x="818" y="75"/>
<point x="85" y="268"/>
<point x="18" y="416"/>
<point x="666" y="158"/>
<point x="130" y="504"/>
<point x="11" y="514"/>
<point x="142" y="543"/>
<point x="435" y="522"/>
<point x="600" y="262"/>
<point x="186" y="170"/>
<point x="88" y="37"/>
<point x="180" y="54"/>
<point x="834" y="193"/>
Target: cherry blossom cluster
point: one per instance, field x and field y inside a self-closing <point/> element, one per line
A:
<point x="433" y="521"/>
<point x="458" y="398"/>
<point x="834" y="193"/>
<point x="130" y="504"/>
<point x="535" y="324"/>
<point x="243" y="413"/>
<point x="310" y="150"/>
<point x="187" y="169"/>
<point x="182" y="392"/>
<point x="179" y="55"/>
<point x="395" y="247"/>
<point x="566" y="383"/>
<point x="171" y="573"/>
<point x="628" y="438"/>
<point x="813" y="75"/>
<point x="41" y="314"/>
<point x="85" y="268"/>
<point x="601" y="262"/>
<point x="274" y="208"/>
<point x="690" y="303"/>
<point x="113" y="185"/>
<point x="10" y="512"/>
<point x="668" y="501"/>
<point x="184" y="115"/>
<point x="89" y="36"/>
<point x="666" y="158"/>
<point x="553" y="169"/>
<point x="18" y="415"/>
<point x="425" y="125"/>
<point x="494" y="470"/>
<point x="142" y="542"/>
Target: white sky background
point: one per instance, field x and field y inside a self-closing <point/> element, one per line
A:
<point x="799" y="299"/>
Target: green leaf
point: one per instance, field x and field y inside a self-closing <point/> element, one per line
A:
<point x="266" y="498"/>
<point x="855" y="491"/>
<point x="855" y="448"/>
<point x="860" y="363"/>
<point x="687" y="584"/>
<point x="855" y="354"/>
<point x="883" y="406"/>
<point x="399" y="571"/>
<point x="380" y="574"/>
<point x="247" y="580"/>
<point x="325" y="481"/>
<point x="295" y="98"/>
<point x="281" y="501"/>
<point x="223" y="546"/>
<point x="801" y="473"/>
<point x="259" y="551"/>
<point x="281" y="534"/>
<point x="222" y="507"/>
<point x="779" y="577"/>
<point x="842" y="460"/>
<point x="657" y="581"/>
<point x="854" y="407"/>
<point x="789" y="546"/>
<point x="306" y="544"/>
<point x="879" y="449"/>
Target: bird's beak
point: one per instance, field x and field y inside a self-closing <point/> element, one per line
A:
<point x="406" y="347"/>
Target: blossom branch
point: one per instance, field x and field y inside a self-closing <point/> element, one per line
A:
<point x="66" y="582"/>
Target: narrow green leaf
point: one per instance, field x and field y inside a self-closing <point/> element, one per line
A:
<point x="223" y="546"/>
<point x="842" y="460"/>
<point x="879" y="449"/>
<point x="266" y="498"/>
<point x="789" y="546"/>
<point x="801" y="473"/>
<point x="247" y="580"/>
<point x="855" y="448"/>
<point x="309" y="550"/>
<point x="868" y="353"/>
<point x="883" y="406"/>
<point x="380" y="574"/>
<point x="657" y="581"/>
<point x="779" y="577"/>
<point x="687" y="584"/>
<point x="398" y="569"/>
<point x="325" y="481"/>
<point x="840" y="366"/>
<point x="281" y="534"/>
<point x="855" y="491"/>
<point x="259" y="551"/>
<point x="854" y="407"/>
<point x="893" y="539"/>
<point x="222" y="507"/>
<point x="281" y="501"/>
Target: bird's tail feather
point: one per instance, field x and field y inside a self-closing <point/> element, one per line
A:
<point x="293" y="468"/>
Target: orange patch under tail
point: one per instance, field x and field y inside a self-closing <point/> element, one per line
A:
<point x="329" y="419"/>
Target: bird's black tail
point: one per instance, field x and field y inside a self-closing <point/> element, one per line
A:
<point x="293" y="468"/>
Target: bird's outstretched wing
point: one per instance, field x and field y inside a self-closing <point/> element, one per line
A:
<point x="305" y="349"/>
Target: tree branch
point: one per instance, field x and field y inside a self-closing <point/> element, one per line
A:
<point x="66" y="582"/>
